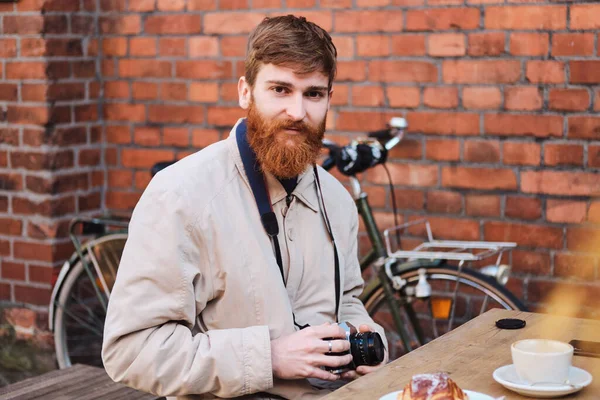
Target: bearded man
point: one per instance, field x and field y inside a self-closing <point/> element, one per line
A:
<point x="212" y="298"/>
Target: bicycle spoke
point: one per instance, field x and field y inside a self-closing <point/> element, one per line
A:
<point x="82" y="322"/>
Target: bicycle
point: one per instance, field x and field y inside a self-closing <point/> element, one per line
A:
<point x="409" y="294"/>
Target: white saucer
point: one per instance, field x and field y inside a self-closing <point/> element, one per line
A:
<point x="472" y="395"/>
<point x="507" y="377"/>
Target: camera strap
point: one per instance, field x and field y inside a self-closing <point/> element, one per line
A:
<point x="256" y="179"/>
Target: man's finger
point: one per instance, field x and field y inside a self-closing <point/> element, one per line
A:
<point x="337" y="346"/>
<point x="365" y="328"/>
<point x="323" y="360"/>
<point x="327" y="331"/>
<point x="349" y="375"/>
<point x="322" y="374"/>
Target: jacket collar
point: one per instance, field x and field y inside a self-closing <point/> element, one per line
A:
<point x="305" y="190"/>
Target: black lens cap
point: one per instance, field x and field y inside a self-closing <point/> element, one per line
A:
<point x="510" y="323"/>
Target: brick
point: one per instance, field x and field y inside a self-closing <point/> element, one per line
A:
<point x="446" y="45"/>
<point x="273" y="4"/>
<point x="402" y="71"/>
<point x="442" y="19"/>
<point x="361" y="121"/>
<point x="203" y="46"/>
<point x="229" y="93"/>
<point x="55" y="24"/>
<point x="172" y="47"/>
<point x="410" y="150"/>
<point x="481" y="71"/>
<point x="9" y="136"/>
<point x="479" y="178"/>
<point x="144" y="158"/>
<point x="343" y="44"/>
<point x="486" y="44"/>
<point x="47" y="208"/>
<point x="368" y="21"/>
<point x="121" y="25"/>
<point x="351" y="71"/>
<point x="176" y="24"/>
<point x="521" y="125"/>
<point x="336" y="3"/>
<point x="26" y="70"/>
<point x="584" y="71"/>
<point x="28" y="115"/>
<point x="224" y="116"/>
<point x="440" y="97"/>
<point x="531" y="262"/>
<point x="594" y="156"/>
<point x="585" y="16"/>
<point x="144" y="90"/>
<point x="526" y="235"/>
<point x="204" y="92"/>
<point x="373" y="46"/>
<point x="9" y="92"/>
<point x="235" y="46"/>
<point x="447" y="228"/>
<point x="405" y="174"/>
<point x="112" y="5"/>
<point x="8" y="47"/>
<point x="568" y="265"/>
<point x="584" y="128"/>
<point x="569" y="99"/>
<point x="64" y="48"/>
<point x="545" y="71"/>
<point x="11" y="182"/>
<point x="480" y="151"/>
<point x="524" y="208"/>
<point x="142" y="47"/>
<point x="529" y="44"/>
<point x="125" y="112"/>
<point x="526" y="17"/>
<point x="443" y="123"/>
<point x="521" y="153"/>
<point x="174" y="91"/>
<point x="119" y="178"/>
<point x="42" y="161"/>
<point x="524" y="98"/>
<point x="482" y="205"/>
<point x="11" y="227"/>
<point x="204" y="137"/>
<point x="12" y="271"/>
<point x="593" y="214"/>
<point x="582" y="239"/>
<point x="566" y="211"/>
<point x="560" y="183"/>
<point x="444" y="202"/>
<point x="230" y="22"/>
<point x="86" y="113"/>
<point x="114" y="47"/>
<point x="403" y="97"/>
<point x="116" y="89"/>
<point x="233" y="4"/>
<point x="142" y="5"/>
<point x="563" y="154"/>
<point x="84" y="69"/>
<point x="32" y="295"/>
<point x="204" y="69"/>
<point x="144" y="69"/>
<point x="146" y="136"/>
<point x="573" y="44"/>
<point x="170" y="5"/>
<point x="442" y="150"/>
<point x="176" y="114"/>
<point x="176" y="137"/>
<point x="42" y="274"/>
<point x="408" y="45"/>
<point x="56" y="185"/>
<point x="481" y="98"/>
<point x="368" y="96"/>
<point x="30" y="47"/>
<point x="122" y="200"/>
<point x="23" y="24"/>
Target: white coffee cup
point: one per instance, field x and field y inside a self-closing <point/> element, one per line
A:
<point x="542" y="360"/>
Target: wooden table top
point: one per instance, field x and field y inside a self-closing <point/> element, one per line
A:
<point x="80" y="382"/>
<point x="471" y="353"/>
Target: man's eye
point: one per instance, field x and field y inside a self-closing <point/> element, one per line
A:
<point x="280" y="89"/>
<point x="315" y="95"/>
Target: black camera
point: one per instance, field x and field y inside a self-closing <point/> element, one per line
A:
<point x="366" y="349"/>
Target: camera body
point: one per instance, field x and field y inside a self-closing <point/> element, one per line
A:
<point x="366" y="348"/>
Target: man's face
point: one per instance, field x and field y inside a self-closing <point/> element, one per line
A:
<point x="286" y="118"/>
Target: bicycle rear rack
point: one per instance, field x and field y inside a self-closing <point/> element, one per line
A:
<point x="455" y="250"/>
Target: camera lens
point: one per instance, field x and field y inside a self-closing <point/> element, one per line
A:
<point x="366" y="348"/>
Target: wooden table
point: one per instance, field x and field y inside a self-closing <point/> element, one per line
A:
<point x="471" y="353"/>
<point x="80" y="382"/>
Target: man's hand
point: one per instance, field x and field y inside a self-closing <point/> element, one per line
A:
<point x="301" y="354"/>
<point x="364" y="369"/>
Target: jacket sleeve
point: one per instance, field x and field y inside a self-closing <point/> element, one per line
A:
<point x="351" y="308"/>
<point x="163" y="283"/>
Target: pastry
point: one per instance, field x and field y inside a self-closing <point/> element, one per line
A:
<point x="436" y="386"/>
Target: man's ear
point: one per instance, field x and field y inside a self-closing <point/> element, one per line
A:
<point x="329" y="99"/>
<point x="244" y="93"/>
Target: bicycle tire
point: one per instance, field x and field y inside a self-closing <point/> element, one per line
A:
<point x="66" y="327"/>
<point x="438" y="275"/>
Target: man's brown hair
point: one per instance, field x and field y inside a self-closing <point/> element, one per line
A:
<point x="290" y="41"/>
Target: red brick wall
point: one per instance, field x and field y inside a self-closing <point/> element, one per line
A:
<point x="500" y="96"/>
<point x="50" y="139"/>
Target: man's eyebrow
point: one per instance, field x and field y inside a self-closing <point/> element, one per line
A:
<point x="289" y="85"/>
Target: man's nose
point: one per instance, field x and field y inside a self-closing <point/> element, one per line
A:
<point x="295" y="109"/>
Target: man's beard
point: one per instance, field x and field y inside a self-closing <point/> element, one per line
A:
<point x="273" y="150"/>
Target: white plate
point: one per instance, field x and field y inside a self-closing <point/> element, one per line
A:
<point x="507" y="377"/>
<point x="472" y="395"/>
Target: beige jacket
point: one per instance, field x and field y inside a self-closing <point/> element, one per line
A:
<point x="199" y="295"/>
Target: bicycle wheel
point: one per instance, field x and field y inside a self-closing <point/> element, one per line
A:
<point x="455" y="299"/>
<point x="80" y="314"/>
